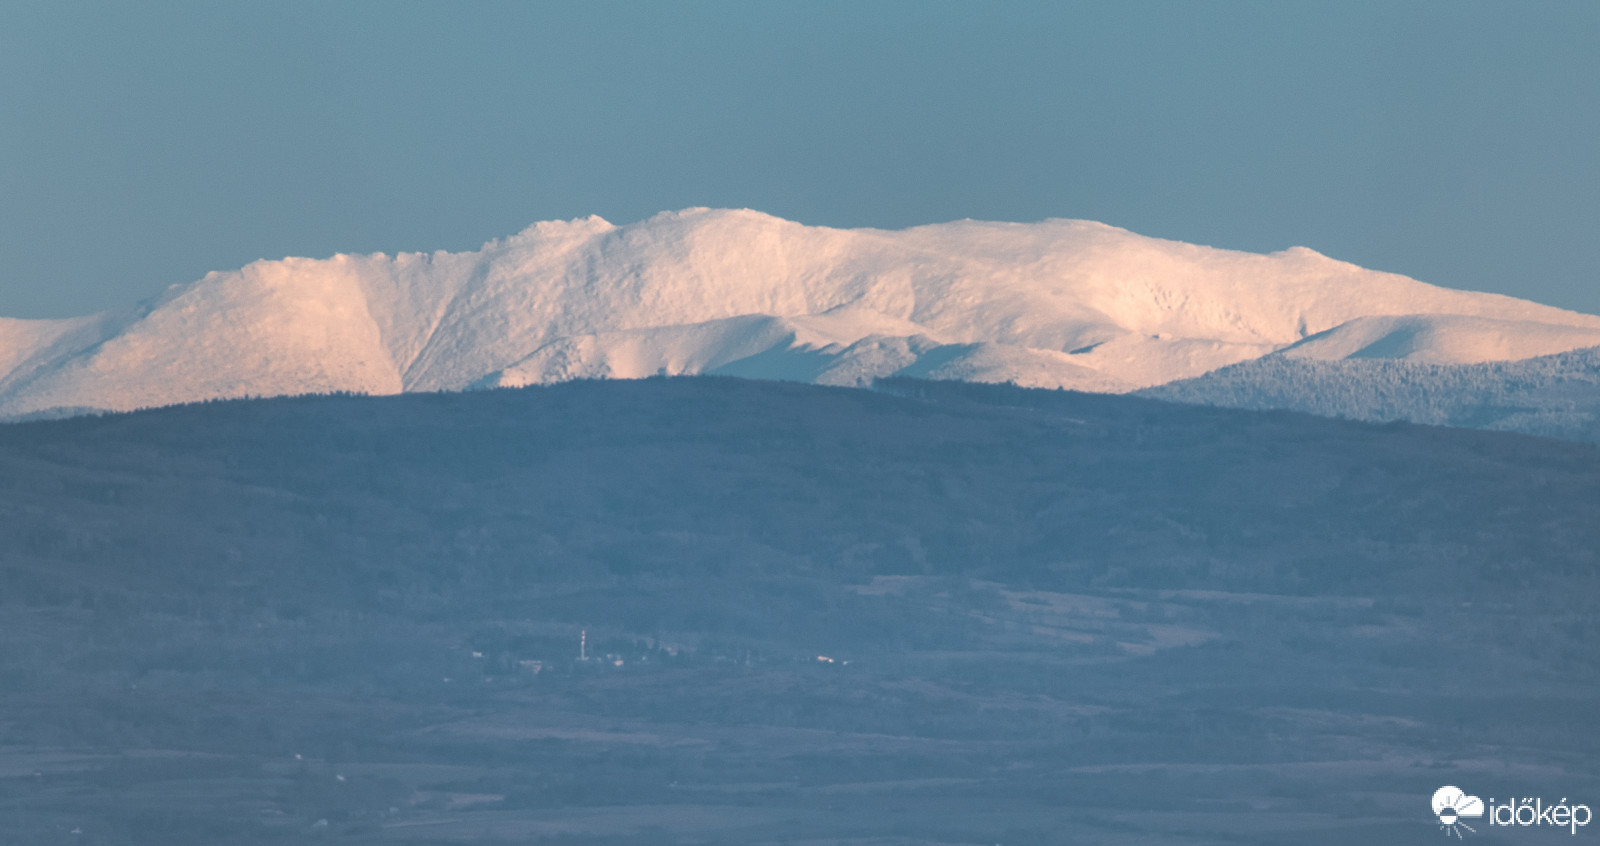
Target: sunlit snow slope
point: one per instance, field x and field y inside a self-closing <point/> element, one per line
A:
<point x="1059" y="303"/>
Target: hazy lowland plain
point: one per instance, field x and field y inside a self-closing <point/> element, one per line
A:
<point x="1052" y="617"/>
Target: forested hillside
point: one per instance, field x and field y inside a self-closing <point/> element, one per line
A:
<point x="1555" y="396"/>
<point x="930" y="613"/>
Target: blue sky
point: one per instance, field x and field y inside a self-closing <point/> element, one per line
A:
<point x="145" y="144"/>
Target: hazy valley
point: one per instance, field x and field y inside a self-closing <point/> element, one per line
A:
<point x="1052" y="617"/>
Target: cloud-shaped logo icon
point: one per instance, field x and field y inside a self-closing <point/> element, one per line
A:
<point x="1451" y="805"/>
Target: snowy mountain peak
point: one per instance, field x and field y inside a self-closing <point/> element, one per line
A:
<point x="1068" y="303"/>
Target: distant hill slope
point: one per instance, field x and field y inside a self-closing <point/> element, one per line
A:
<point x="936" y="613"/>
<point x="1556" y="396"/>
<point x="1045" y="479"/>
<point x="1059" y="303"/>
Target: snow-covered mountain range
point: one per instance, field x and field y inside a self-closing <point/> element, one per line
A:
<point x="1061" y="303"/>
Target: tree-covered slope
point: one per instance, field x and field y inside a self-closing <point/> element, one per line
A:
<point x="1555" y="396"/>
<point x="266" y="621"/>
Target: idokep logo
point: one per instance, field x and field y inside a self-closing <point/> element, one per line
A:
<point x="1452" y="805"/>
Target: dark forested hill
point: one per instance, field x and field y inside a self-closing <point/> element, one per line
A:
<point x="360" y="618"/>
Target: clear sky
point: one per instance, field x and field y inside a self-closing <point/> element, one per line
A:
<point x="145" y="144"/>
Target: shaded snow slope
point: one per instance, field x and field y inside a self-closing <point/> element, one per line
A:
<point x="1060" y="303"/>
<point x="1555" y="396"/>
